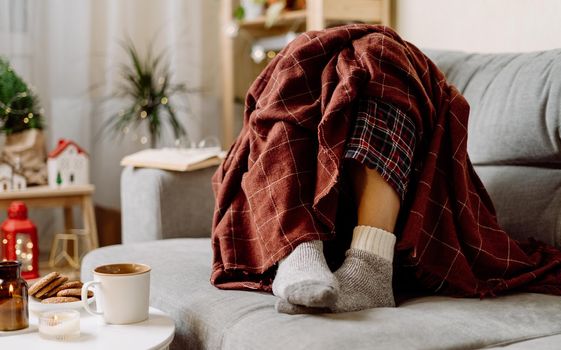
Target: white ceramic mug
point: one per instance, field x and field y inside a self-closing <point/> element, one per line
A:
<point x="122" y="292"/>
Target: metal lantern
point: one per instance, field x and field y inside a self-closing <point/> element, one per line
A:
<point x="18" y="240"/>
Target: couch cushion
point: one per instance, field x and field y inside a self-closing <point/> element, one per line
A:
<point x="527" y="200"/>
<point x="210" y="318"/>
<point x="552" y="342"/>
<point x="515" y="104"/>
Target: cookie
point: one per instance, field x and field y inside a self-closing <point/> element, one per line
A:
<point x="74" y="292"/>
<point x="57" y="300"/>
<point x="37" y="286"/>
<point x="46" y="289"/>
<point x="66" y="285"/>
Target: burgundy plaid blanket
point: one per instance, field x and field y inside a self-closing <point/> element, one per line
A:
<point x="280" y="183"/>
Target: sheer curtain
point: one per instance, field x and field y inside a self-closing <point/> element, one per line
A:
<point x="64" y="48"/>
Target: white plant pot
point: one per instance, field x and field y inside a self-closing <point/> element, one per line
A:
<point x="252" y="9"/>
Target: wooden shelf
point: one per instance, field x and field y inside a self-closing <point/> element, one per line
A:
<point x="286" y="17"/>
<point x="369" y="11"/>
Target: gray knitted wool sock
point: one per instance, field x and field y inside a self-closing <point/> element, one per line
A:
<point x="285" y="307"/>
<point x="365" y="278"/>
<point x="366" y="273"/>
<point x="366" y="282"/>
<point x="303" y="277"/>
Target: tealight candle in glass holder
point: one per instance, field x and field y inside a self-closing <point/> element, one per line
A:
<point x="60" y="325"/>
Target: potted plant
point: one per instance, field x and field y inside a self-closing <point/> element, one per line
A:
<point x="146" y="84"/>
<point x="250" y="9"/>
<point x="21" y="120"/>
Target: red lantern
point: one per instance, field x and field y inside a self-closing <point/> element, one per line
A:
<point x="19" y="240"/>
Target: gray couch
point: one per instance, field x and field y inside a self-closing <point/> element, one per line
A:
<point x="514" y="143"/>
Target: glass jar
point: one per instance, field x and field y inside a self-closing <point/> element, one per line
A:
<point x="14" y="311"/>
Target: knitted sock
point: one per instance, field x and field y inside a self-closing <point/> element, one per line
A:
<point x="365" y="280"/>
<point x="303" y="277"/>
<point x="285" y="307"/>
<point x="366" y="274"/>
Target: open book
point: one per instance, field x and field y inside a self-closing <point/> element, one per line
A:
<point x="178" y="159"/>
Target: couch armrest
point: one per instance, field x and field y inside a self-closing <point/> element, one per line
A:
<point x="159" y="204"/>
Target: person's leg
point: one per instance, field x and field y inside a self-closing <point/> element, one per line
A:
<point x="366" y="275"/>
<point x="383" y="138"/>
<point x="377" y="202"/>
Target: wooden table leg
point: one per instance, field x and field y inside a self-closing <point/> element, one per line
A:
<point x="88" y="215"/>
<point x="68" y="219"/>
<point x="68" y="225"/>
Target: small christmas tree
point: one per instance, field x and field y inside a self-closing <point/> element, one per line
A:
<point x="19" y="106"/>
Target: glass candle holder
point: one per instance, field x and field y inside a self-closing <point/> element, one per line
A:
<point x="60" y="325"/>
<point x="14" y="310"/>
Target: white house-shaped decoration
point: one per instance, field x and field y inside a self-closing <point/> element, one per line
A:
<point x="18" y="182"/>
<point x="68" y="164"/>
<point x="11" y="180"/>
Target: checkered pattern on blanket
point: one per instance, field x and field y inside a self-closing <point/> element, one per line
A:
<point x="281" y="181"/>
<point x="383" y="139"/>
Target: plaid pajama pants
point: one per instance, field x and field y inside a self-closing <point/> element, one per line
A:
<point x="383" y="138"/>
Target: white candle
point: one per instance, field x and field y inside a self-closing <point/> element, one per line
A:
<point x="60" y="325"/>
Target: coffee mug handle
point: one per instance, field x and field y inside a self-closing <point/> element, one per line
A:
<point x="85" y="298"/>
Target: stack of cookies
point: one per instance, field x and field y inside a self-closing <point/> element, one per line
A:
<point x="55" y="288"/>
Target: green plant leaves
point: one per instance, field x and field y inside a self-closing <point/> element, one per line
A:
<point x="147" y="85"/>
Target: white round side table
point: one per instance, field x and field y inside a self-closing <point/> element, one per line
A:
<point x="155" y="333"/>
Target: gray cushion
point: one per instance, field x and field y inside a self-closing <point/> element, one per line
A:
<point x="210" y="318"/>
<point x="552" y="342"/>
<point x="515" y="104"/>
<point x="527" y="200"/>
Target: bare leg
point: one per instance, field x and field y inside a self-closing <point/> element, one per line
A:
<point x="366" y="274"/>
<point x="365" y="278"/>
<point x="377" y="202"/>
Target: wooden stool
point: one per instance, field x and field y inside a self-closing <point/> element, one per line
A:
<point x="65" y="197"/>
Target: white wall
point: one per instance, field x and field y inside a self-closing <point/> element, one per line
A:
<point x="480" y="25"/>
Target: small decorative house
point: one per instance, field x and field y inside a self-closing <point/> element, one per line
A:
<point x="10" y="178"/>
<point x="68" y="164"/>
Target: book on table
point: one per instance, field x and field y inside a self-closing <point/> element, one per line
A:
<point x="177" y="159"/>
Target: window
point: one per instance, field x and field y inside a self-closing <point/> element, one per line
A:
<point x="15" y="34"/>
<point x="13" y="16"/>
